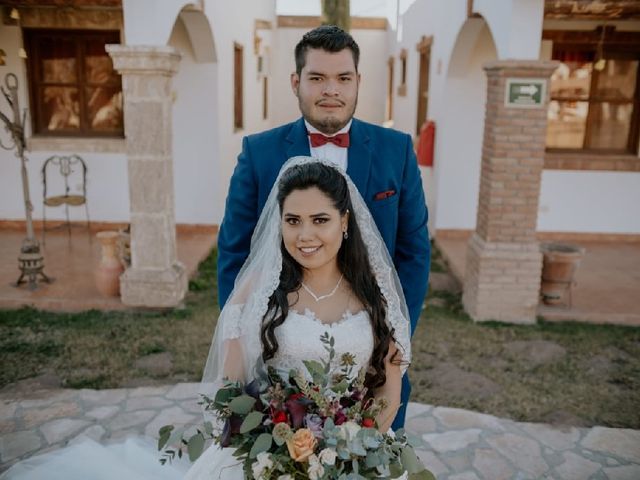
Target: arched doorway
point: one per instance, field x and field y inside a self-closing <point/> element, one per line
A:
<point x="457" y="169"/>
<point x="195" y="119"/>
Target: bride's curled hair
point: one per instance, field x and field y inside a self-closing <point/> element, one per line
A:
<point x="353" y="263"/>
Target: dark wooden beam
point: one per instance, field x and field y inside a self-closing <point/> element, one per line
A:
<point x="62" y="3"/>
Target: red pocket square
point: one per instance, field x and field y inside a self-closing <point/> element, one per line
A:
<point x="385" y="194"/>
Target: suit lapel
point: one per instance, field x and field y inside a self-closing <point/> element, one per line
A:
<point x="297" y="140"/>
<point x="359" y="157"/>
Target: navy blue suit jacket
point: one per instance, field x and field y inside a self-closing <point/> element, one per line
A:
<point x="379" y="160"/>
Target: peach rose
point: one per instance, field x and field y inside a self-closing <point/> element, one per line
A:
<point x="301" y="445"/>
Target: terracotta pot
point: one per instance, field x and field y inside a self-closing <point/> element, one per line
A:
<point x="560" y="262"/>
<point x="108" y="271"/>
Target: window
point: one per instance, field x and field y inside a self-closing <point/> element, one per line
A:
<point x="424" y="50"/>
<point x="389" y="109"/>
<point x="74" y="89"/>
<point x="594" y="93"/>
<point x="265" y="98"/>
<point x="402" y="88"/>
<point x="238" y="122"/>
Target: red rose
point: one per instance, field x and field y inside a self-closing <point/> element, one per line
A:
<point x="279" y="417"/>
<point x="296" y="396"/>
<point x="368" y="423"/>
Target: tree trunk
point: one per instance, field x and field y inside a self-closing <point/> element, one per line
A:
<point x="336" y="12"/>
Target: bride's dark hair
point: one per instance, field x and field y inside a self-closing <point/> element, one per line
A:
<point x="353" y="263"/>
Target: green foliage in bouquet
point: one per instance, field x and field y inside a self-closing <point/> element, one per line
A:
<point x="295" y="429"/>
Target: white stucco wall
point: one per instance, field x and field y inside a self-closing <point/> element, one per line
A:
<point x="577" y="201"/>
<point x="107" y="190"/>
<point x="195" y="134"/>
<point x="234" y="22"/>
<point x="372" y="67"/>
<point x="460" y="135"/>
<point x="456" y="103"/>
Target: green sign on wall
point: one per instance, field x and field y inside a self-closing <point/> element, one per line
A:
<point x="525" y="92"/>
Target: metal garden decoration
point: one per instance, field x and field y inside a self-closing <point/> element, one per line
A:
<point x="30" y="259"/>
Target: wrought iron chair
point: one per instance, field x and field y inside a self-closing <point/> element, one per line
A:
<point x="65" y="166"/>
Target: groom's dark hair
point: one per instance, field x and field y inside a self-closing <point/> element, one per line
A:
<point x="353" y="263"/>
<point x="326" y="37"/>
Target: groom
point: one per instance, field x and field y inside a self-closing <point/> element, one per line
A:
<point x="380" y="161"/>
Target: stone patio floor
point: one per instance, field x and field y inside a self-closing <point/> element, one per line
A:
<point x="607" y="281"/>
<point x="71" y="260"/>
<point x="458" y="444"/>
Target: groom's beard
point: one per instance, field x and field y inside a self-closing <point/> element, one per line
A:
<point x="327" y="125"/>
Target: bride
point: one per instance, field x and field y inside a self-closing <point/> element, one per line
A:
<point x="317" y="264"/>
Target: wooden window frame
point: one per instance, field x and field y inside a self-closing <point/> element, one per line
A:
<point x="424" y="66"/>
<point x="390" y="80"/>
<point x="31" y="37"/>
<point x="402" y="88"/>
<point x="238" y="87"/>
<point x="265" y="97"/>
<point x="617" y="45"/>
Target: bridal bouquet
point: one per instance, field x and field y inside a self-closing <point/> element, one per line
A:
<point x="286" y="429"/>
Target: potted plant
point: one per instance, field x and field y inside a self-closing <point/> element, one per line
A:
<point x="560" y="262"/>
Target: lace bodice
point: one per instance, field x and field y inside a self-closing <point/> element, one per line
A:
<point x="299" y="339"/>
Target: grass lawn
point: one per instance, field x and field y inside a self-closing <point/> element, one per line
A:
<point x="556" y="372"/>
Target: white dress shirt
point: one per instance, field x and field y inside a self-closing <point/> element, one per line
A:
<point x="329" y="151"/>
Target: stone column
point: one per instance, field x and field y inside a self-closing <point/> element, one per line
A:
<point x="156" y="278"/>
<point x="504" y="263"/>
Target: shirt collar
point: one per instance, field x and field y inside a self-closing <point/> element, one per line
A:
<point x="312" y="129"/>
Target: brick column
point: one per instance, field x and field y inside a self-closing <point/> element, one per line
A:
<point x="156" y="277"/>
<point x="504" y="263"/>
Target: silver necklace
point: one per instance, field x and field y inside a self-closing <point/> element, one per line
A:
<point x="322" y="297"/>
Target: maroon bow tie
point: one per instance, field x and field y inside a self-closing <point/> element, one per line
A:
<point x="318" y="139"/>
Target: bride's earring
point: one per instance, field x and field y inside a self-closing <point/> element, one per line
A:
<point x="345" y="234"/>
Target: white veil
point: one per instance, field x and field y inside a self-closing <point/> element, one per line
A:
<point x="236" y="348"/>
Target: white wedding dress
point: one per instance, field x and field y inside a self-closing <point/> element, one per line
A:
<point x="298" y="339"/>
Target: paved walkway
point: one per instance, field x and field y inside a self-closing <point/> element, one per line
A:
<point x="71" y="260"/>
<point x="607" y="280"/>
<point x="459" y="445"/>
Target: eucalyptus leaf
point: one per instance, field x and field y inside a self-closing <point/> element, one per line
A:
<point x="343" y="453"/>
<point x="372" y="460"/>
<point x="371" y="442"/>
<point x="165" y="433"/>
<point x="251" y="421"/>
<point x="395" y="470"/>
<point x="176" y="436"/>
<point x="242" y="404"/>
<point x="195" y="446"/>
<point x="356" y="447"/>
<point x="208" y="428"/>
<point x="223" y="395"/>
<point x="279" y="441"/>
<point x="331" y="442"/>
<point x="415" y="441"/>
<point x="355" y="476"/>
<point x="410" y="461"/>
<point x="340" y="387"/>
<point x="316" y="369"/>
<point x="423" y="475"/>
<point x="262" y="444"/>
